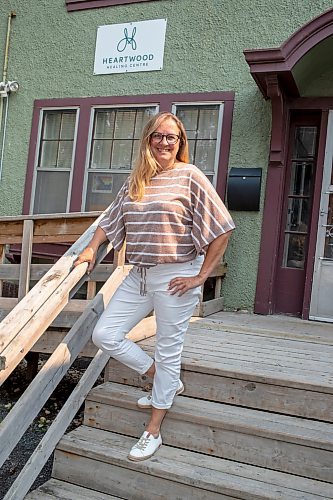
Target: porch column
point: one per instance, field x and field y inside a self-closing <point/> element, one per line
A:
<point x="273" y="200"/>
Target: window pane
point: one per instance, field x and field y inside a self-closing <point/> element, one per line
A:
<point x="68" y="126"/>
<point x="115" y="146"/>
<point x="102" y="189"/>
<point x="121" y="155"/>
<point x="65" y="154"/>
<point x="52" y="120"/>
<point x="49" y="154"/>
<point x="56" y="148"/>
<point x="142" y="116"/>
<point x="205" y="155"/>
<point x="191" y="150"/>
<point x="189" y="116"/>
<point x="201" y="123"/>
<point x="51" y="192"/>
<point x="207" y="126"/>
<point x="135" y="155"/>
<point x="101" y="154"/>
<point x="124" y="126"/>
<point x="104" y="124"/>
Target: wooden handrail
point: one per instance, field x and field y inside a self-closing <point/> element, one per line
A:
<point x="26" y="323"/>
<point x="23" y="326"/>
<point x="55" y="228"/>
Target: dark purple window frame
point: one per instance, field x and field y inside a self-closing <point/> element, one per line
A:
<point x="85" y="105"/>
<point x="73" y="5"/>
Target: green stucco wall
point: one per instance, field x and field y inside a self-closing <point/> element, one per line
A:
<point x="52" y="54"/>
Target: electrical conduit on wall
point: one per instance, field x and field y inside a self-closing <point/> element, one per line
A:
<point x="4" y="91"/>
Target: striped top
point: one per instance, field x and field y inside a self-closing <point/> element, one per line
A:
<point x="179" y="215"/>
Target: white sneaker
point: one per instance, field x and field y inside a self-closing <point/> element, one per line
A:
<point x="145" y="447"/>
<point x="145" y="401"/>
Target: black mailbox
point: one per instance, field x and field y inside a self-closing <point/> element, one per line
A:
<point x="244" y="189"/>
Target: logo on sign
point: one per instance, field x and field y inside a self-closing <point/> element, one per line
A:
<point x="127" y="40"/>
<point x="129" y="47"/>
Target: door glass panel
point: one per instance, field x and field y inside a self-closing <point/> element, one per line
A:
<point x="305" y="142"/>
<point x="300" y="197"/>
<point x="296" y="250"/>
<point x="301" y="177"/>
<point x="328" y="251"/>
<point x="298" y="215"/>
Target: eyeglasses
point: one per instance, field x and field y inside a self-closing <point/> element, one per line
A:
<point x="171" y="138"/>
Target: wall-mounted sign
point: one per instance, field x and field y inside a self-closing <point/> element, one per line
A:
<point x="122" y="48"/>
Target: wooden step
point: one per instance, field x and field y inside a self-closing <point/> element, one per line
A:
<point x="54" y="489"/>
<point x="278" y="442"/>
<point x="278" y="375"/>
<point x="97" y="459"/>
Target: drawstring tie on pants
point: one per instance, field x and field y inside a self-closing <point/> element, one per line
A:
<point x="143" y="282"/>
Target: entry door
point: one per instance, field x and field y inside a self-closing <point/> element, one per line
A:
<point x="295" y="228"/>
<point x="321" y="307"/>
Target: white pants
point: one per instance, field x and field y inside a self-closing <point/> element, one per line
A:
<point x="127" y="307"/>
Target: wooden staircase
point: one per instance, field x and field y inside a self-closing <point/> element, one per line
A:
<point x="254" y="422"/>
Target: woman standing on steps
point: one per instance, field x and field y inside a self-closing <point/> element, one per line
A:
<point x="176" y="229"/>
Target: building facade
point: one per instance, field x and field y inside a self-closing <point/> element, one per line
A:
<point x="252" y="82"/>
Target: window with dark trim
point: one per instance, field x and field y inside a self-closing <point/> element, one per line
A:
<point x="54" y="161"/>
<point x="73" y="5"/>
<point x="82" y="150"/>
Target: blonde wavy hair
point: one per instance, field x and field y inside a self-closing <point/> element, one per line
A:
<point x="146" y="165"/>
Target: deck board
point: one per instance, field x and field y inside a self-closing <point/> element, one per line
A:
<point x="213" y="476"/>
<point x="274" y="326"/>
<point x="210" y="349"/>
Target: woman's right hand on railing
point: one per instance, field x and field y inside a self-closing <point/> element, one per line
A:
<point x="90" y="252"/>
<point x="87" y="255"/>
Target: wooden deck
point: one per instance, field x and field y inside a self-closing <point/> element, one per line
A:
<point x="284" y="370"/>
<point x="254" y="422"/>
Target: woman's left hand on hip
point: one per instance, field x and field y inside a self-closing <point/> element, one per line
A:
<point x="181" y="285"/>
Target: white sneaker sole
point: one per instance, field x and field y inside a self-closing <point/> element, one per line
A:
<point x="140" y="459"/>
<point x="140" y="405"/>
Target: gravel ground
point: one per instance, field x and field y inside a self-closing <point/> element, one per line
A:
<point x="10" y="392"/>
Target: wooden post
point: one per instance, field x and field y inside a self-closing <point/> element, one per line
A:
<point x="26" y="253"/>
<point x="218" y="285"/>
<point x="24" y="285"/>
<point x="2" y="260"/>
<point x="119" y="257"/>
<point x="91" y="290"/>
